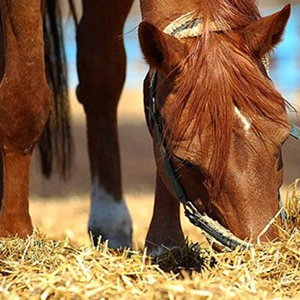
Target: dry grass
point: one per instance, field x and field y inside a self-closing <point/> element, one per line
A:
<point x="42" y="268"/>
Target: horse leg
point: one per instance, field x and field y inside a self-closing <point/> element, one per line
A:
<point x="24" y="108"/>
<point x="165" y="229"/>
<point x="101" y="63"/>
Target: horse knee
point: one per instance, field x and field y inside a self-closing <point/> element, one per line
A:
<point x="101" y="80"/>
<point x="24" y="111"/>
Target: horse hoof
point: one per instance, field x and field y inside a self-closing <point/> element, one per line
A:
<point x="121" y="239"/>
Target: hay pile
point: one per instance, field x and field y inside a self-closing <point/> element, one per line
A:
<point x="40" y="268"/>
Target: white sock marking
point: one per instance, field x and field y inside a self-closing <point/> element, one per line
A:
<point x="109" y="218"/>
<point x="244" y="120"/>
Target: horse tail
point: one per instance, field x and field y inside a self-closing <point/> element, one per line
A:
<point x="56" y="145"/>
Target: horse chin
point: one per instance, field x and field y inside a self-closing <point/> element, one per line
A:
<point x="253" y="220"/>
<point x="237" y="229"/>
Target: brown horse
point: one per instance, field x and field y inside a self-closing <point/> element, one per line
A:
<point x="224" y="123"/>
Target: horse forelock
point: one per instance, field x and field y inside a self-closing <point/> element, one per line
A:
<point x="216" y="78"/>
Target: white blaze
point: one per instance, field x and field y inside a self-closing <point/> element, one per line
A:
<point x="109" y="218"/>
<point x="243" y="119"/>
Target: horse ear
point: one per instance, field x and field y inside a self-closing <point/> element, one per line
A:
<point x="161" y="51"/>
<point x="263" y="35"/>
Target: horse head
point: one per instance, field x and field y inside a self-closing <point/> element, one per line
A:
<point x="223" y="122"/>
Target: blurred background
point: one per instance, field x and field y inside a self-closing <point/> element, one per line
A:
<point x="138" y="166"/>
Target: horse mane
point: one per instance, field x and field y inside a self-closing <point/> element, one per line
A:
<point x="217" y="76"/>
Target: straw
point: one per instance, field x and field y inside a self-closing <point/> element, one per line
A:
<point x="42" y="268"/>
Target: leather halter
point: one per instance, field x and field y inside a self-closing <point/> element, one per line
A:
<point x="211" y="228"/>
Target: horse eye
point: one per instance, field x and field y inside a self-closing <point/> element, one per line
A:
<point x="185" y="163"/>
